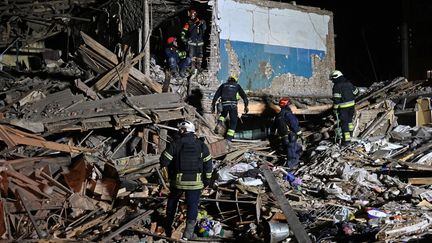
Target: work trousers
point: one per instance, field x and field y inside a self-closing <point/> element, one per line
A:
<point x="293" y="149"/>
<point x="195" y="50"/>
<point x="231" y="110"/>
<point x="192" y="202"/>
<point x="346" y="116"/>
<point x="179" y="65"/>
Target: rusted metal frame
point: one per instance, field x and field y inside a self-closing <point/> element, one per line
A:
<point x="127" y="225"/>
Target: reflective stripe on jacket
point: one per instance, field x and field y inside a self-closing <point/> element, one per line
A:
<point x="188" y="160"/>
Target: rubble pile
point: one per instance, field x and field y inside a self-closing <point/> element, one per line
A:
<point x="81" y="141"/>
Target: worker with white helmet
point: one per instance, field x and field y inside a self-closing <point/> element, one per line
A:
<point x="190" y="167"/>
<point x="344" y="93"/>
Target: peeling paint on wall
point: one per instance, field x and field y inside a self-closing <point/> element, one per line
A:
<point x="277" y="48"/>
<point x="234" y="66"/>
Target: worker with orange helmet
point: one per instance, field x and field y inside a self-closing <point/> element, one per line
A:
<point x="193" y="35"/>
<point x="177" y="60"/>
<point x="287" y="126"/>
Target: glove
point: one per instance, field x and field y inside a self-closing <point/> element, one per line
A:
<point x="206" y="182"/>
<point x="297" y="183"/>
<point x="212" y="108"/>
<point x="246" y="110"/>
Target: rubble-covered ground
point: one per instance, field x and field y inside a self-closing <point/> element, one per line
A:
<point x="81" y="140"/>
<point x="80" y="162"/>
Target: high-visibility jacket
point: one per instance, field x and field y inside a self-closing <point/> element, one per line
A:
<point x="230" y="92"/>
<point x="344" y="93"/>
<point x="193" y="32"/>
<point x="172" y="52"/>
<point x="189" y="162"/>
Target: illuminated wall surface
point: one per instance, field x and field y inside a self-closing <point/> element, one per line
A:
<point x="268" y="42"/>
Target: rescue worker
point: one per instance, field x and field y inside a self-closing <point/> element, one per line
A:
<point x="229" y="93"/>
<point x="287" y="126"/>
<point x="193" y="35"/>
<point x="189" y="166"/>
<point x="344" y="93"/>
<point x="177" y="60"/>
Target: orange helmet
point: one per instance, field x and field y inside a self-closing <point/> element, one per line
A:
<point x="171" y="40"/>
<point x="284" y="102"/>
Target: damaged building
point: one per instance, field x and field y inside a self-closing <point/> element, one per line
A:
<point x="89" y="105"/>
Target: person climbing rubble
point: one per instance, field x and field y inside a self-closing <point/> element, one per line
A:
<point x="229" y="92"/>
<point x="190" y="167"/>
<point x="193" y="35"/>
<point x="344" y="93"/>
<point x="287" y="126"/>
<point x="177" y="60"/>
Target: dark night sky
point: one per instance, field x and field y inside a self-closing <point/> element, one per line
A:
<point x="367" y="37"/>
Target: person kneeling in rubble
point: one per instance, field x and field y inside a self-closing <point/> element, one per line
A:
<point x="177" y="60"/>
<point x="190" y="168"/>
<point x="287" y="126"/>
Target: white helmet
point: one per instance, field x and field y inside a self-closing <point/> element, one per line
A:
<point x="187" y="125"/>
<point x="335" y="74"/>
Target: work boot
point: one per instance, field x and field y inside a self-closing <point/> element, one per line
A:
<point x="345" y="143"/>
<point x="189" y="231"/>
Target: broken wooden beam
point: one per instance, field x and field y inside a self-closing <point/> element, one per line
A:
<point x="291" y="216"/>
<point x="127" y="225"/>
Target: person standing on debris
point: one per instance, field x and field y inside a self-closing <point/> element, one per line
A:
<point x="190" y="168"/>
<point x="193" y="35"/>
<point x="344" y="93"/>
<point x="229" y="93"/>
<point x="287" y="126"/>
<point x="177" y="60"/>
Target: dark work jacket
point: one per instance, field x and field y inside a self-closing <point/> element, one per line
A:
<point x="189" y="161"/>
<point x="286" y="122"/>
<point x="193" y="32"/>
<point x="344" y="93"/>
<point x="230" y="92"/>
<point x="172" y="52"/>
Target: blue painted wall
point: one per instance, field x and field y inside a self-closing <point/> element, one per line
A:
<point x="252" y="56"/>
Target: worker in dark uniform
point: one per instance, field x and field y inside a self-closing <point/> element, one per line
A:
<point x="193" y="35"/>
<point x="177" y="60"/>
<point x="229" y="93"/>
<point x="344" y="93"/>
<point x="189" y="166"/>
<point x="288" y="129"/>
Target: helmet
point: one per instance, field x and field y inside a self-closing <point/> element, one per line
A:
<point x="187" y="125"/>
<point x="192" y="13"/>
<point x="284" y="102"/>
<point x="335" y="74"/>
<point x="171" y="40"/>
<point x="232" y="78"/>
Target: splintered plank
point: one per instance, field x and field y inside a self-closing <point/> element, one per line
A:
<point x="13" y="137"/>
<point x="112" y="58"/>
<point x="127" y="225"/>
